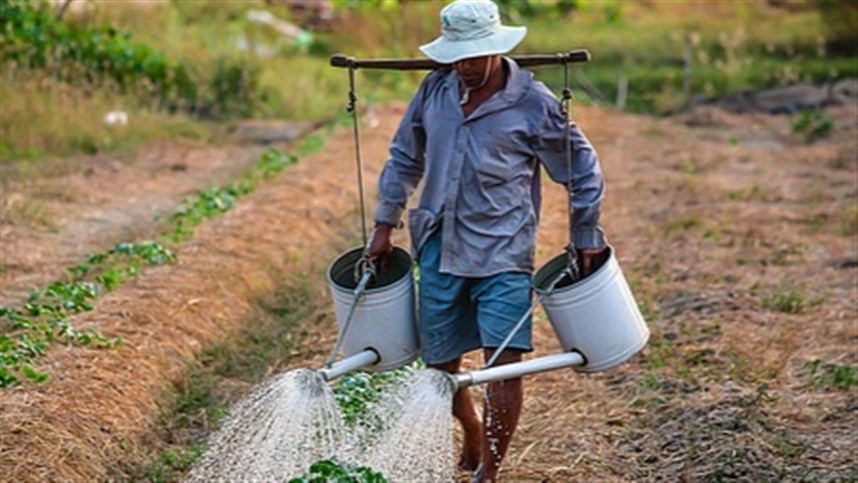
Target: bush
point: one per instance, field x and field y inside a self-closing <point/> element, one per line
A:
<point x="32" y="39"/>
<point x="841" y="21"/>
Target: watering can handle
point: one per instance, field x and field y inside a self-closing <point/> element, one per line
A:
<point x="364" y="265"/>
<point x="364" y="277"/>
<point x="572" y="262"/>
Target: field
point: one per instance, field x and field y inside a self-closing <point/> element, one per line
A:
<point x="741" y="251"/>
<point x="738" y="234"/>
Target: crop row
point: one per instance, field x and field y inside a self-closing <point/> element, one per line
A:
<point x="28" y="332"/>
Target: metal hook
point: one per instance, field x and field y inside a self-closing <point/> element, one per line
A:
<point x="365" y="264"/>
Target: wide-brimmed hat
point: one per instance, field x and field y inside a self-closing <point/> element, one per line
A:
<point x="472" y="28"/>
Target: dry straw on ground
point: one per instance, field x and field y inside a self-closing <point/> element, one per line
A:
<point x="100" y="403"/>
<point x="716" y="222"/>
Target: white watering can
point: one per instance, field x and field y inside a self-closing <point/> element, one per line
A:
<point x="596" y="320"/>
<point x="378" y="321"/>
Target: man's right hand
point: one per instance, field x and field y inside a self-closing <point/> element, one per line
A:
<point x="380" y="245"/>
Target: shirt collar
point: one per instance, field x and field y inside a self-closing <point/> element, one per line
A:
<point x="517" y="84"/>
<point x="517" y="81"/>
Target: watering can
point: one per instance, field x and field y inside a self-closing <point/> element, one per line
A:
<point x="378" y="321"/>
<point x="596" y="320"/>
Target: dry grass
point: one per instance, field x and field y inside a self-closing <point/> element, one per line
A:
<point x="41" y="117"/>
<point x="57" y="431"/>
<point x="54" y="213"/>
<point x="723" y="391"/>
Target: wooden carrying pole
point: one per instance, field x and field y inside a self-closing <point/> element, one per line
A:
<point x="340" y="60"/>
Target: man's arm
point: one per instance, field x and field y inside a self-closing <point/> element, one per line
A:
<point x="588" y="185"/>
<point x="400" y="176"/>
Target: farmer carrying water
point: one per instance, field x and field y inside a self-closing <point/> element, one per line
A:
<point x="477" y="135"/>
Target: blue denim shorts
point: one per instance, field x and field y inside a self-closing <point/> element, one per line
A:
<point x="461" y="314"/>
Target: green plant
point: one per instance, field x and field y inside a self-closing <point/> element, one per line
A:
<point x="215" y="201"/>
<point x="681" y="224"/>
<point x="688" y="165"/>
<point x="356" y="391"/>
<point x="786" y="299"/>
<point x="831" y="376"/>
<point x="28" y="332"/>
<point x="112" y="267"/>
<point x="171" y="464"/>
<point x="849" y="221"/>
<point x="813" y="124"/>
<point x="331" y="471"/>
<point x="754" y="193"/>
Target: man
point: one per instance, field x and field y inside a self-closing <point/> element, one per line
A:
<point x="476" y="135"/>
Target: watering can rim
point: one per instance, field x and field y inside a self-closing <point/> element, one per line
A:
<point x="577" y="284"/>
<point x="408" y="274"/>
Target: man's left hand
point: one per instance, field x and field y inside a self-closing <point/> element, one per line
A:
<point x="590" y="259"/>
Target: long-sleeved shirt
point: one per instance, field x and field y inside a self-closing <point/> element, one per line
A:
<point x="481" y="173"/>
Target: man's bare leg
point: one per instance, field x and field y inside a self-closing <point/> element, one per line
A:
<point x="466" y="413"/>
<point x="501" y="414"/>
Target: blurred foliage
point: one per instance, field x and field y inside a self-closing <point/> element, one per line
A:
<point x="841" y="21"/>
<point x="32" y="38"/>
<point x="206" y="60"/>
<point x="831" y="376"/>
<point x="516" y="10"/>
<point x="367" y="5"/>
<point x="729" y="46"/>
<point x="812" y="124"/>
<point x="43" y="116"/>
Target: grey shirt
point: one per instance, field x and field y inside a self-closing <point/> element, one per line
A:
<point x="481" y="173"/>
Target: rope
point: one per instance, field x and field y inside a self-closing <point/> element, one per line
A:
<point x="364" y="268"/>
<point x="572" y="268"/>
<point x="352" y="108"/>
<point x="566" y="108"/>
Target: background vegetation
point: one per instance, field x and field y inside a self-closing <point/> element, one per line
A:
<point x="183" y="69"/>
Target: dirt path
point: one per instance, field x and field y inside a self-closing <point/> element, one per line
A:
<point x="739" y="239"/>
<point x="49" y="221"/>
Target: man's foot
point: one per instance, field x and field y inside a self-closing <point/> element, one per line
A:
<point x="471" y="449"/>
<point x="480" y="475"/>
<point x="469" y="461"/>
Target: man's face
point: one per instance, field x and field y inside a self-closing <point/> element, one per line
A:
<point x="473" y="71"/>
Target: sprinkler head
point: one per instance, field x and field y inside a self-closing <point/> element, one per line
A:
<point x="311" y="382"/>
<point x="460" y="380"/>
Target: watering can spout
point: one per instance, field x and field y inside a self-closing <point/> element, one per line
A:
<point x="360" y="360"/>
<point x="518" y="369"/>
